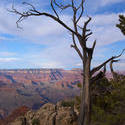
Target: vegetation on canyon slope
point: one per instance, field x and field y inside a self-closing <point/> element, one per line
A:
<point x="108" y="106"/>
<point x="107" y="102"/>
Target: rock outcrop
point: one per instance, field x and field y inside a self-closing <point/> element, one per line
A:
<point x="49" y="114"/>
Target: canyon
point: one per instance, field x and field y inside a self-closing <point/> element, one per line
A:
<point x="36" y="87"/>
<point x="32" y="88"/>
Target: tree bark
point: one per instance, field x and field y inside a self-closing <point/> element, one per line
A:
<point x="114" y="74"/>
<point x="84" y="118"/>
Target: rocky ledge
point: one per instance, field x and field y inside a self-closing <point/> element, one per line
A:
<point x="49" y="114"/>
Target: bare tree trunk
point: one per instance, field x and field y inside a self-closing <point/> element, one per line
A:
<point x="114" y="74"/>
<point x="84" y="118"/>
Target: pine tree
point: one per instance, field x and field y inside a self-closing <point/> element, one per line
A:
<point x="121" y="25"/>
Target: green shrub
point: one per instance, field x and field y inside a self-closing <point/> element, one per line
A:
<point x="35" y="121"/>
<point x="67" y="103"/>
<point x="108" y="102"/>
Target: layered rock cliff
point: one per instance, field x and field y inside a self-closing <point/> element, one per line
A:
<point x="35" y="87"/>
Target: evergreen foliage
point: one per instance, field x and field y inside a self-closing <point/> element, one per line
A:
<point x="108" y="102"/>
<point x="121" y="25"/>
<point x="35" y="121"/>
<point x="108" y="106"/>
<point x="67" y="103"/>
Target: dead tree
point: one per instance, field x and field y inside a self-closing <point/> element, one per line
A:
<point x="80" y="34"/>
<point x="116" y="77"/>
<point x="114" y="74"/>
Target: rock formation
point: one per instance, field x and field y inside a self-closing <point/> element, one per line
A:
<point x="49" y="114"/>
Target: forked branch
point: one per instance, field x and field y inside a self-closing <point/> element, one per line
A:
<point x="99" y="76"/>
<point x="114" y="74"/>
<point x="61" y="6"/>
<point x="34" y="12"/>
<point x="110" y="59"/>
<point x="111" y="65"/>
<point x="82" y="10"/>
<point x="54" y="9"/>
<point x="85" y="26"/>
<point x="75" y="47"/>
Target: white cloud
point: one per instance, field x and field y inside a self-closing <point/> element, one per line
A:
<point x="107" y="2"/>
<point x="49" y="65"/>
<point x="119" y="66"/>
<point x="58" y="56"/>
<point x="45" y="31"/>
<point x="3" y="38"/>
<point x="105" y="30"/>
<point x="6" y="60"/>
<point x="98" y="4"/>
<point x="36" y="29"/>
<point x="7" y="54"/>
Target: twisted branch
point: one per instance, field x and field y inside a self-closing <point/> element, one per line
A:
<point x="34" y="12"/>
<point x="110" y="59"/>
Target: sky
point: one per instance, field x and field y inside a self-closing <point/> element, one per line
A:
<point x="43" y="43"/>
